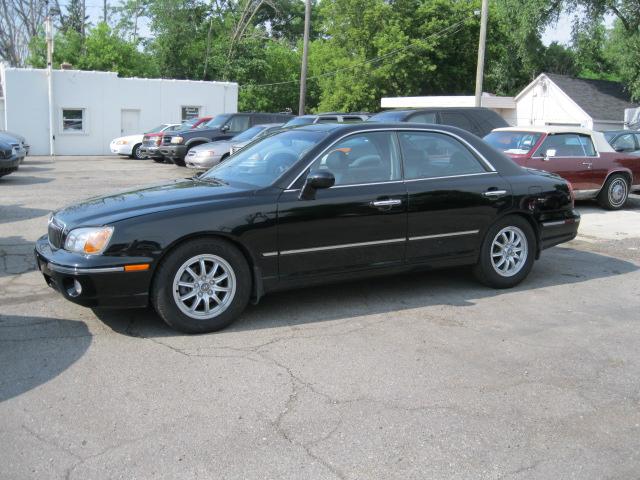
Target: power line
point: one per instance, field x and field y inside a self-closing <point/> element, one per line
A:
<point x="451" y="29"/>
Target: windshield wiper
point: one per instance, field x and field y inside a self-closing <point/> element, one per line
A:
<point x="202" y="178"/>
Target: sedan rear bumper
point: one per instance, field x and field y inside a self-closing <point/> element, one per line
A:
<point x="555" y="232"/>
<point x="93" y="286"/>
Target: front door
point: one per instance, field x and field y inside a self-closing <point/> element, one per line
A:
<point x="129" y="122"/>
<point x="357" y="224"/>
<point x="573" y="157"/>
<point x="453" y="197"/>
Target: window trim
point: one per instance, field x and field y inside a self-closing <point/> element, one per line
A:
<point x="83" y="131"/>
<point x="481" y="157"/>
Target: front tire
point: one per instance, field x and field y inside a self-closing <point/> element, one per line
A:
<point x="136" y="153"/>
<point x="507" y="253"/>
<point x="614" y="193"/>
<point x="201" y="286"/>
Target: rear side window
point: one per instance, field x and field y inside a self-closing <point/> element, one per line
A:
<point x="426" y="117"/>
<point x="431" y="155"/>
<point x="328" y="120"/>
<point x="567" y="145"/>
<point x="460" y="120"/>
<point x="239" y="123"/>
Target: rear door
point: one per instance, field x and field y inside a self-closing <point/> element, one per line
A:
<point x="453" y="196"/>
<point x="460" y="120"/>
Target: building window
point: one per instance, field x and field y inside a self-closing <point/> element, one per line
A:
<point x="190" y="112"/>
<point x="73" y="120"/>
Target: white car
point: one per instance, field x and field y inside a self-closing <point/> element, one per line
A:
<point x="131" y="144"/>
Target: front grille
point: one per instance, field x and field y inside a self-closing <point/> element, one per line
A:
<point x="56" y="233"/>
<point x="166" y="140"/>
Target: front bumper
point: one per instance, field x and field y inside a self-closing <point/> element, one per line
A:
<point x="9" y="165"/>
<point x="120" y="149"/>
<point x="193" y="161"/>
<point x="151" y="152"/>
<point x="174" y="152"/>
<point x="107" y="286"/>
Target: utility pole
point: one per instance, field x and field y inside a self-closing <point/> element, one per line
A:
<point x="104" y="8"/>
<point x="481" y="48"/>
<point x="49" y="38"/>
<point x="305" y="53"/>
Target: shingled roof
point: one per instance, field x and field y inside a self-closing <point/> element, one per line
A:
<point x="601" y="99"/>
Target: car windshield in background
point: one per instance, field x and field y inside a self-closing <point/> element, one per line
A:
<point x="387" y="117"/>
<point x="609" y="135"/>
<point x="518" y="143"/>
<point x="157" y="129"/>
<point x="263" y="162"/>
<point x="248" y="134"/>
<point x="217" y="121"/>
<point x="296" y="122"/>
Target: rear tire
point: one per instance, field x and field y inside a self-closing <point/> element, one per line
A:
<point x="158" y="160"/>
<point x="507" y="253"/>
<point x="614" y="193"/>
<point x="201" y="286"/>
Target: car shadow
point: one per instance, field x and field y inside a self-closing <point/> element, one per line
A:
<point x="382" y="295"/>
<point x="34" y="350"/>
<point x="15" y="213"/>
<point x="29" y="168"/>
<point x="17" y="179"/>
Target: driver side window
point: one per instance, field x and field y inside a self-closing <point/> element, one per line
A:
<point x="239" y="123"/>
<point x="362" y="158"/>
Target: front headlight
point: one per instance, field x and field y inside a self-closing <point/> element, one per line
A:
<point x="122" y="142"/>
<point x="206" y="153"/>
<point x="177" y="139"/>
<point x="89" y="241"/>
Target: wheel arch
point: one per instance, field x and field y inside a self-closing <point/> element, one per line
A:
<point x="194" y="142"/>
<point x="257" y="289"/>
<point x="619" y="170"/>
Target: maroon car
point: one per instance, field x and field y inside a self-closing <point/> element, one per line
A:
<point x="581" y="156"/>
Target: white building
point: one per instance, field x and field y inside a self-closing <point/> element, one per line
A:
<point x="92" y="108"/>
<point x="548" y="100"/>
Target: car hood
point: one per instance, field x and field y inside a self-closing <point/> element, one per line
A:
<point x="222" y="145"/>
<point x="143" y="201"/>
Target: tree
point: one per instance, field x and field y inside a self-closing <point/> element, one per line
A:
<point x="19" y="23"/>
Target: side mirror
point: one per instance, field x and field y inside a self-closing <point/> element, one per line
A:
<point x="224" y="128"/>
<point x="549" y="154"/>
<point x="315" y="181"/>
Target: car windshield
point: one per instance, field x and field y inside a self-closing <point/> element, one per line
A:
<point x="248" y="134"/>
<point x="265" y="161"/>
<point x="296" y="122"/>
<point x="217" y="121"/>
<point x="390" y="116"/>
<point x="519" y="143"/>
<point x="157" y="129"/>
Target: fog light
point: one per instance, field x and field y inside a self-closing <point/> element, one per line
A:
<point x="75" y="290"/>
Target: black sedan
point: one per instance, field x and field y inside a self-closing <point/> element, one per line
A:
<point x="316" y="204"/>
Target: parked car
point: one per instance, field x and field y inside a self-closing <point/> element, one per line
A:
<point x="624" y="141"/>
<point x="209" y="154"/>
<point x="14" y="138"/>
<point x="581" y="156"/>
<point x="152" y="141"/>
<point x="330" y="117"/>
<point x="477" y="120"/>
<point x="131" y="145"/>
<point x="309" y="205"/>
<point x="9" y="158"/>
<point x="176" y="145"/>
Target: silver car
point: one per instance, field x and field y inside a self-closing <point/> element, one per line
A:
<point x="209" y="154"/>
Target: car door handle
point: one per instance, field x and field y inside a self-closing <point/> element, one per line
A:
<point x="386" y="203"/>
<point x="588" y="164"/>
<point x="495" y="193"/>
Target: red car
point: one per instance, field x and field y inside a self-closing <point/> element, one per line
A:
<point x="581" y="156"/>
<point x="151" y="141"/>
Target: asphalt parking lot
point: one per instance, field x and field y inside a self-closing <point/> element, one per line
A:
<point x="424" y="376"/>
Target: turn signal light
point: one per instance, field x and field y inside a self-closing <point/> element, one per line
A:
<point x="136" y="268"/>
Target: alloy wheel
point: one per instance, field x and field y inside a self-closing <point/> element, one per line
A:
<point x="204" y="286"/>
<point x="509" y="251"/>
